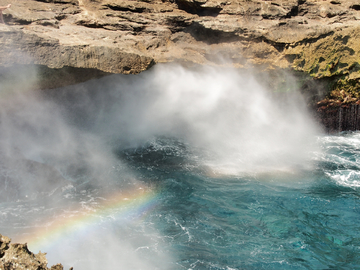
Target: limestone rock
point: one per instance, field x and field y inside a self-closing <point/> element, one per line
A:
<point x="18" y="256"/>
<point x="118" y="36"/>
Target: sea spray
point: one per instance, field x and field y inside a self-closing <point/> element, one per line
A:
<point x="228" y="124"/>
<point x="95" y="228"/>
<point x="242" y="125"/>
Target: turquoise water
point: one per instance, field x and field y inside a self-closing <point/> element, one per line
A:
<point x="306" y="219"/>
<point x="211" y="171"/>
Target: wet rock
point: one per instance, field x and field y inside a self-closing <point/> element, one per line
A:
<point x="336" y="116"/>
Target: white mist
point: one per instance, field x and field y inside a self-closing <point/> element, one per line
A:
<point x="241" y="126"/>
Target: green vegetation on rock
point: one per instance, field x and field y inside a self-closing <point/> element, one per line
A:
<point x="336" y="56"/>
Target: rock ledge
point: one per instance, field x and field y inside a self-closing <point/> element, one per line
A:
<point x="17" y="256"/>
<point x="318" y="38"/>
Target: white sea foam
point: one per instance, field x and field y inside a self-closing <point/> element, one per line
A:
<point x="341" y="153"/>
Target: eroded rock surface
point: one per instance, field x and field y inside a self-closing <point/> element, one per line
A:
<point x="318" y="37"/>
<point x="18" y="256"/>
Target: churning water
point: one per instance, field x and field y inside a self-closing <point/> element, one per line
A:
<point x="175" y="169"/>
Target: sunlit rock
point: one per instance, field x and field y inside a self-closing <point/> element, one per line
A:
<point x="130" y="36"/>
<point x="18" y="256"/>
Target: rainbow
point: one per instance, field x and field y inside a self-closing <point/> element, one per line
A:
<point x="121" y="207"/>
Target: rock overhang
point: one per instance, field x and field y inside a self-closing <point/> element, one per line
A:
<point x="129" y="37"/>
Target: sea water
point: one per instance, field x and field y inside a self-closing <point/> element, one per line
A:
<point x="303" y="219"/>
<point x="177" y="169"/>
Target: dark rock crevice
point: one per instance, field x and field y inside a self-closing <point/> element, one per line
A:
<point x="279" y="46"/>
<point x="355" y="7"/>
<point x="177" y="23"/>
<point x="126" y="9"/>
<point x="74" y="2"/>
<point x="195" y="7"/>
<point x="53" y="78"/>
<point x="293" y="12"/>
<point x="313" y="39"/>
<point x="14" y="20"/>
<point x="211" y="36"/>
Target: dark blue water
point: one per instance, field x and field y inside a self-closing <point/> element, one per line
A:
<point x="306" y="219"/>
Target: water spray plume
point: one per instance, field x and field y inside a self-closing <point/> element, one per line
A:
<point x="229" y="122"/>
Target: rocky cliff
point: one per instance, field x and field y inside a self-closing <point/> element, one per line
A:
<point x="18" y="256"/>
<point x="76" y="40"/>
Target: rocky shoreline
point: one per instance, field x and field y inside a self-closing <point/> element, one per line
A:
<point x="18" y="256"/>
<point x="72" y="41"/>
<point x="76" y="40"/>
